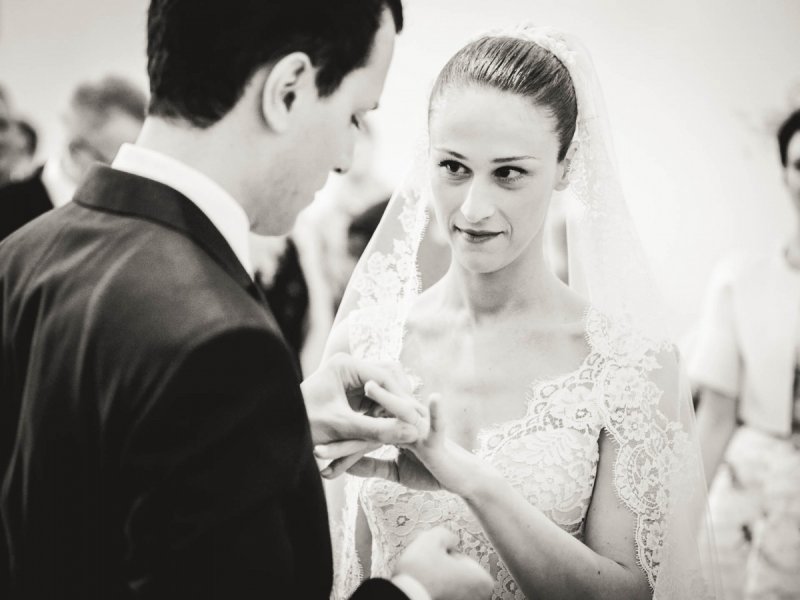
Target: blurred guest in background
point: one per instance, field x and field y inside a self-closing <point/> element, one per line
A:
<point x="362" y="227"/>
<point x="7" y="138"/>
<point x="344" y="197"/>
<point x="100" y="117"/>
<point x="291" y="272"/>
<point x="280" y="276"/>
<point x="747" y="366"/>
<point x="26" y="142"/>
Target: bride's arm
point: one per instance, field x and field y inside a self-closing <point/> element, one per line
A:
<point x="544" y="559"/>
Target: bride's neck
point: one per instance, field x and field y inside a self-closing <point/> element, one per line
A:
<point x="525" y="285"/>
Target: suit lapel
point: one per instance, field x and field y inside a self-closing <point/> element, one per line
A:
<point x="122" y="193"/>
<point x="118" y="192"/>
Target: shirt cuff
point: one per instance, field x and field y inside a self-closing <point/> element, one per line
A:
<point x="411" y="587"/>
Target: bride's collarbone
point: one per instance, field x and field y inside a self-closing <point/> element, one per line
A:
<point x="485" y="377"/>
<point x="508" y="349"/>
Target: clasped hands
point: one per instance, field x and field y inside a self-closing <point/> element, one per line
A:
<point x="356" y="406"/>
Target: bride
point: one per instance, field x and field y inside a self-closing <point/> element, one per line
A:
<point x="561" y="450"/>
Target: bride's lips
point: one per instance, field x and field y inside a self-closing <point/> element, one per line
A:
<point x="477" y="236"/>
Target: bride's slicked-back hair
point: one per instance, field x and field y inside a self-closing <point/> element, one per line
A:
<point x="517" y="66"/>
<point x="202" y="53"/>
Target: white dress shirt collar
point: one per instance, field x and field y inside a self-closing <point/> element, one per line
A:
<point x="59" y="187"/>
<point x="218" y="205"/>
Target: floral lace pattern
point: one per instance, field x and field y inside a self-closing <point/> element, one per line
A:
<point x="628" y="386"/>
<point x="388" y="277"/>
<point x="550" y="455"/>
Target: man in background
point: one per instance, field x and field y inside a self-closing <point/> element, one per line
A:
<point x="6" y="137"/>
<point x="101" y="116"/>
<point x="22" y="151"/>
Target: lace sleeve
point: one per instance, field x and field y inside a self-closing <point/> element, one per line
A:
<point x="647" y="411"/>
<point x="348" y="573"/>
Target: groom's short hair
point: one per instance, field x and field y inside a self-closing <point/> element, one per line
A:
<point x="202" y="53"/>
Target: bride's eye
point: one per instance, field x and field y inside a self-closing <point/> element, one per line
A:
<point x="509" y="174"/>
<point x="453" y="168"/>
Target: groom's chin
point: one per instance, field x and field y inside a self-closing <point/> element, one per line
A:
<point x="277" y="220"/>
<point x="272" y="227"/>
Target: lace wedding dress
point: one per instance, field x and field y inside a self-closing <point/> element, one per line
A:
<point x="549" y="455"/>
<point x="630" y="386"/>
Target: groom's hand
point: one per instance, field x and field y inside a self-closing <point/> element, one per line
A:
<point x="343" y="405"/>
<point x="433" y="463"/>
<point x="433" y="560"/>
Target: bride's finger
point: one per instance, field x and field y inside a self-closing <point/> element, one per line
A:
<point x="435" y="404"/>
<point x="424" y="423"/>
<point x="375" y="467"/>
<point x="336" y="450"/>
<point x="405" y="408"/>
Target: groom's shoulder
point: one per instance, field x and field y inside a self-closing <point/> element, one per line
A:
<point x="173" y="289"/>
<point x="185" y="306"/>
<point x="162" y="290"/>
<point x="136" y="282"/>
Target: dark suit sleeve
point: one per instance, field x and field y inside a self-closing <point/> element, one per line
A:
<point x="379" y="589"/>
<point x="226" y="501"/>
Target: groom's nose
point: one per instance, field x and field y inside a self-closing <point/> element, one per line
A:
<point x="344" y="161"/>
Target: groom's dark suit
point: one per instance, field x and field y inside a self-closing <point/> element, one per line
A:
<point x="153" y="438"/>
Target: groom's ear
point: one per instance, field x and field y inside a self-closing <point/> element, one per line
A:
<point x="564" y="167"/>
<point x="289" y="78"/>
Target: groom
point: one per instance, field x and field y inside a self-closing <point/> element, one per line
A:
<point x="155" y="441"/>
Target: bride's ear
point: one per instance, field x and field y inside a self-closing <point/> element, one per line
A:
<point x="562" y="179"/>
<point x="288" y="79"/>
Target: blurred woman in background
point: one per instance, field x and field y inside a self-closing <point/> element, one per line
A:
<point x="747" y="365"/>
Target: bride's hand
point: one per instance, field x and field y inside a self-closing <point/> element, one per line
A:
<point x="382" y="403"/>
<point x="433" y="463"/>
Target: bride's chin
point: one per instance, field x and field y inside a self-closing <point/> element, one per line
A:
<point x="479" y="265"/>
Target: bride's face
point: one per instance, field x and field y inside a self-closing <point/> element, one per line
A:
<point x="494" y="166"/>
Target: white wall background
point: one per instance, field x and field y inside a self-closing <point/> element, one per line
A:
<point x="694" y="89"/>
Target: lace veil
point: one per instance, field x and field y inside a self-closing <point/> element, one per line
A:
<point x="658" y="473"/>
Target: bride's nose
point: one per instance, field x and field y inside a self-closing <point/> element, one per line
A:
<point x="477" y="206"/>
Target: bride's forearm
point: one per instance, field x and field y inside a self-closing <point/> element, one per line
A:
<point x="544" y="559"/>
